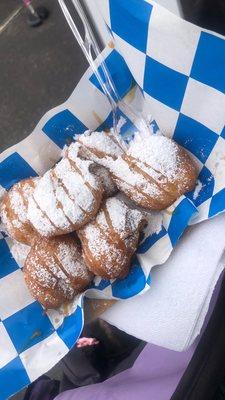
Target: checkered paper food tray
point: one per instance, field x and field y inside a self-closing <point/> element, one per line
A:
<point x="180" y="70"/>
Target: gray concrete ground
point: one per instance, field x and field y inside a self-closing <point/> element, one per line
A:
<point x="39" y="68"/>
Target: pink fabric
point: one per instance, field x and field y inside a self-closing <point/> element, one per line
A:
<point x="82" y="342"/>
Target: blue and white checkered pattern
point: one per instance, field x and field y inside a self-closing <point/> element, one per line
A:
<point x="179" y="68"/>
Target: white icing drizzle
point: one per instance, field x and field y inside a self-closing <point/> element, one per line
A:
<point x="73" y="265"/>
<point x="128" y="176"/>
<point x="101" y="147"/>
<point x="118" y="219"/>
<point x="57" y="266"/>
<point x="17" y="201"/>
<point x="64" y="196"/>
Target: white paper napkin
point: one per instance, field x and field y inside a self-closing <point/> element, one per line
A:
<point x="172" y="312"/>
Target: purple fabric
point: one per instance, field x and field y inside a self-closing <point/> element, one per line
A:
<point x="154" y="375"/>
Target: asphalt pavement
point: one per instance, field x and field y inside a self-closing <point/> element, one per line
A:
<point x="39" y="67"/>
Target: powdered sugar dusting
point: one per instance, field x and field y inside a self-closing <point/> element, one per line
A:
<point x="17" y="223"/>
<point x="119" y="220"/>
<point x="44" y="196"/>
<point x="18" y="196"/>
<point x="55" y="268"/>
<point x="4" y="218"/>
<point x="70" y="208"/>
<point x="155" y="221"/>
<point x="157" y="151"/>
<point x="127" y="176"/>
<point x="72" y="262"/>
<point x="27" y="187"/>
<point x="14" y="209"/>
<point x="122" y="121"/>
<point x="63" y="196"/>
<point x="38" y="219"/>
<point x="82" y="165"/>
<point x="47" y="281"/>
<point x="102" y="142"/>
<point x="52" y="274"/>
<point x="47" y="259"/>
<point x="124" y="219"/>
<point x="74" y="184"/>
<point x="66" y="288"/>
<point x="40" y="274"/>
<point x="17" y="205"/>
<point x="41" y="294"/>
<point x="135" y="219"/>
<point x="198" y="189"/>
<point x="97" y="244"/>
<point x="101" y="220"/>
<point x="101" y="147"/>
<point x="95" y="240"/>
<point x="100" y="248"/>
<point x="118" y="214"/>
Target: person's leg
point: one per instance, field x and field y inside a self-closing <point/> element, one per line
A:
<point x="206" y="370"/>
<point x="112" y="352"/>
<point x="115" y="352"/>
<point x="43" y="388"/>
<point x="35" y="15"/>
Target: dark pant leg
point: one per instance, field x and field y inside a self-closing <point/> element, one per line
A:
<point x="204" y="377"/>
<point x="116" y="352"/>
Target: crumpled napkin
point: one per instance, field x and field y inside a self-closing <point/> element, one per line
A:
<point x="172" y="312"/>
